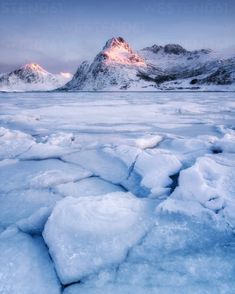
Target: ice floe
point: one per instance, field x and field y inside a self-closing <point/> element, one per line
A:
<point x="87" y="234"/>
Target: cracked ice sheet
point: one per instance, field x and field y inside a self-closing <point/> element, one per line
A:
<point x="189" y="149"/>
<point x="87" y="234"/>
<point x="206" y="187"/>
<point x="124" y="118"/>
<point x="39" y="174"/>
<point x="26" y="196"/>
<point x="144" y="173"/>
<point x="17" y="144"/>
<point x="29" y="209"/>
<point x="25" y="266"/>
<point x="52" y="146"/>
<point x="113" y="164"/>
<point x="177" y="254"/>
<point x="92" y="186"/>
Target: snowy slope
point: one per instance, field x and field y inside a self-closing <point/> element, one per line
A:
<point x="31" y="77"/>
<point x="170" y="67"/>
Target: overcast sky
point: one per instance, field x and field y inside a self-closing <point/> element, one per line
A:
<point x="59" y="34"/>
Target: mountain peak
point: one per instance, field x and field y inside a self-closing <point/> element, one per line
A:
<point x="175" y="49"/>
<point x="30" y="77"/>
<point x="118" y="42"/>
<point x="118" y="51"/>
<point x="33" y="67"/>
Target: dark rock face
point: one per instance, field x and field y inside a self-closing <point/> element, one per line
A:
<point x="194" y="82"/>
<point x="174" y="49"/>
<point x="223" y="73"/>
<point x="155" y="48"/>
<point x="168" y="49"/>
<point x="220" y="77"/>
<point x="79" y="77"/>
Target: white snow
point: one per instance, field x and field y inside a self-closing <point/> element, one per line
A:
<point x="227" y="143"/>
<point x="148" y="142"/>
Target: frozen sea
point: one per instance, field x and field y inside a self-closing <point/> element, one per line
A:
<point x="117" y="192"/>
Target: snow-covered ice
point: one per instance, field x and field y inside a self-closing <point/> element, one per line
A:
<point x="117" y="193"/>
<point x="210" y="183"/>
<point x="87" y="234"/>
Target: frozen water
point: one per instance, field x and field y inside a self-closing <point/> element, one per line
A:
<point x="13" y="143"/>
<point x="22" y="204"/>
<point x="177" y="254"/>
<point x="210" y="183"/>
<point x="92" y="186"/>
<point x="155" y="168"/>
<point x="25" y="266"/>
<point x="39" y="174"/>
<point x="68" y="162"/>
<point x="87" y="234"/>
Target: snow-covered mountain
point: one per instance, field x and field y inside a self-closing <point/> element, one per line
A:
<point x="32" y="77"/>
<point x="173" y="67"/>
<point x="115" y="67"/>
<point x="119" y="67"/>
<point x="170" y="67"/>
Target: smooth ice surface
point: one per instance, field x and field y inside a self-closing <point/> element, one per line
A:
<point x="92" y="186"/>
<point x="25" y="266"/>
<point x="87" y="234"/>
<point x="134" y="193"/>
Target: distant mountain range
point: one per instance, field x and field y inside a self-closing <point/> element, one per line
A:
<point x="32" y="77"/>
<point x="119" y="67"/>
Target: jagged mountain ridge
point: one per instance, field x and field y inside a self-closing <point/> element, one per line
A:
<point x="119" y="67"/>
<point x="31" y="77"/>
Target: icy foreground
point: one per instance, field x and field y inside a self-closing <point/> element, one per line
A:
<point x="117" y="193"/>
